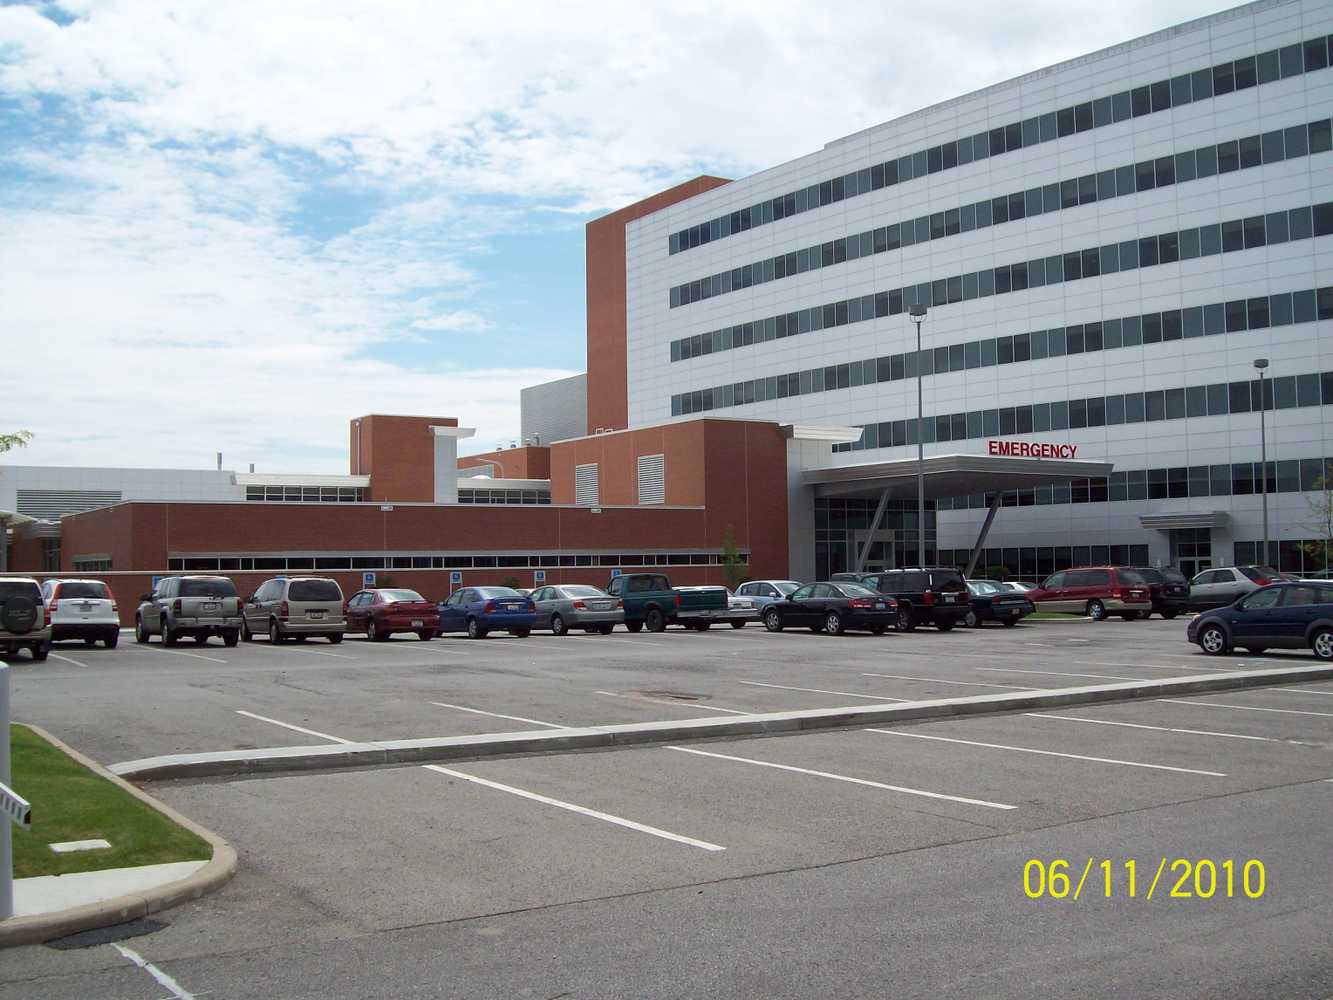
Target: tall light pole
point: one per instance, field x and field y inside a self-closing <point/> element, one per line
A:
<point x="1261" y="364"/>
<point x="917" y="314"/>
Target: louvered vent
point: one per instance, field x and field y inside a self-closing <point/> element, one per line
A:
<point x="54" y="504"/>
<point x="585" y="485"/>
<point x="652" y="479"/>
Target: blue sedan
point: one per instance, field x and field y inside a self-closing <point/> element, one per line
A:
<point x="478" y="610"/>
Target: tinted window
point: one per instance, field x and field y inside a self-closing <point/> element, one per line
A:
<point x="15" y="588"/>
<point x="1058" y="580"/>
<point x="1150" y="575"/>
<point x="207" y="586"/>
<point x="400" y="595"/>
<point x="1130" y="577"/>
<point x="661" y="583"/>
<point x="1298" y="596"/>
<point x="1256" y="573"/>
<point x="1260" y="599"/>
<point x="640" y="584"/>
<point x="314" y="590"/>
<point x="856" y="590"/>
<point x="915" y="582"/>
<point x="786" y="587"/>
<point x="1171" y="575"/>
<point x="803" y="592"/>
<point x="947" y="579"/>
<point x="89" y="589"/>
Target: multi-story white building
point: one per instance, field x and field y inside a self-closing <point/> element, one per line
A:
<point x="1105" y="248"/>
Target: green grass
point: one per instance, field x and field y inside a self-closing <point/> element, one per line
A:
<point x="1054" y="616"/>
<point x="70" y="802"/>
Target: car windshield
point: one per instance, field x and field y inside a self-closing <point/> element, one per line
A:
<point x="982" y="587"/>
<point x="490" y="592"/>
<point x="207" y="586"/>
<point x="84" y="588"/>
<point x="946" y="579"/>
<point x="314" y="590"/>
<point x="579" y="590"/>
<point x="856" y="590"/>
<point x="400" y="595"/>
<point x="785" y="587"/>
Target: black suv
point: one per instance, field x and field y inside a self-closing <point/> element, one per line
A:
<point x="926" y="595"/>
<point x="1170" y="590"/>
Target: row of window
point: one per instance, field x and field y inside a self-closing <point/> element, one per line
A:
<point x="1207" y="161"/>
<point x="1302" y="556"/>
<point x="1036" y="562"/>
<point x="1150" y="251"/>
<point x="1239" y="74"/>
<point x="91" y="564"/>
<point x="347" y="561"/>
<point x="504" y="496"/>
<point x="306" y="494"/>
<point x="1217" y="399"/>
<point x="1234" y="479"/>
<point x="1236" y="316"/>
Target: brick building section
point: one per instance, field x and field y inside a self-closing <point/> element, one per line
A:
<point x="608" y="376"/>
<point x="532" y="462"/>
<point x="398" y="454"/>
<point x="735" y="469"/>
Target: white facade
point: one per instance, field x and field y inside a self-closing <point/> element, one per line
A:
<point x="50" y="492"/>
<point x="554" y="411"/>
<point x="1271" y="187"/>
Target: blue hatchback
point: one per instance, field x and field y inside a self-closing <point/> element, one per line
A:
<point x="1286" y="615"/>
<point x="478" y="610"/>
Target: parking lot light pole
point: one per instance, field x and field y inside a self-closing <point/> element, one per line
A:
<point x="917" y="314"/>
<point x="1261" y="364"/>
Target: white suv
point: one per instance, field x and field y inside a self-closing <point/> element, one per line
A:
<point x="82" y="609"/>
<point x="23" y="619"/>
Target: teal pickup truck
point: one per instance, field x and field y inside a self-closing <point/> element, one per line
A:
<point x="651" y="602"/>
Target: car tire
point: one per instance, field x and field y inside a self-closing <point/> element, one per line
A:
<point x="654" y="620"/>
<point x="169" y="636"/>
<point x="558" y="626"/>
<point x="140" y="633"/>
<point x="1168" y="615"/>
<point x="275" y="635"/>
<point x="41" y="651"/>
<point x="738" y="624"/>
<point x="474" y="629"/>
<point x="945" y="625"/>
<point x="1010" y="621"/>
<point x="1131" y="616"/>
<point x="425" y="635"/>
<point x="1322" y="643"/>
<point x="833" y="623"/>
<point x="376" y="633"/>
<point x="1096" y="610"/>
<point x="606" y="629"/>
<point x="878" y="629"/>
<point x="336" y="638"/>
<point x="1213" y="640"/>
<point x="111" y="640"/>
<point x="90" y="642"/>
<point x="231" y="637"/>
<point x="773" y="620"/>
<point x="906" y="618"/>
<point x="521" y="633"/>
<point x="971" y="620"/>
<point x="246" y="634"/>
<point x="201" y="639"/>
<point x="634" y="626"/>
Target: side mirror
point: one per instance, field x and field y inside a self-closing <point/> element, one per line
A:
<point x="791" y="596"/>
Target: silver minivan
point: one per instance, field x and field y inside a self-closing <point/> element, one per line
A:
<point x="293" y="607"/>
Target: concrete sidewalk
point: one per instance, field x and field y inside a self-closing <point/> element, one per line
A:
<point x="53" y="893"/>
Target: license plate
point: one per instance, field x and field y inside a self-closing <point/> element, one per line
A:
<point x="209" y="606"/>
<point x="417" y="623"/>
<point x="209" y="621"/>
<point x="85" y="606"/>
<point x="879" y="605"/>
<point x="950" y="598"/>
<point x="314" y="614"/>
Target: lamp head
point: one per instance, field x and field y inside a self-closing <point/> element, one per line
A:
<point x="917" y="312"/>
<point x="1261" y="363"/>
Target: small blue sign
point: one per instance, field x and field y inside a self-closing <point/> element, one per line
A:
<point x="156" y="581"/>
<point x="539" y="576"/>
<point x="615" y="573"/>
<point x="455" y="576"/>
<point x="367" y="579"/>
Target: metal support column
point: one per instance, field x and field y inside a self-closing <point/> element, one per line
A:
<point x="985" y="530"/>
<point x="874" y="527"/>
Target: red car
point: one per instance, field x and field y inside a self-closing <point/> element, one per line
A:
<point x="1097" y="591"/>
<point x="381" y="613"/>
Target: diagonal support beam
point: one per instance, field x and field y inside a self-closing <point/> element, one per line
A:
<point x="874" y="527"/>
<point x="985" y="530"/>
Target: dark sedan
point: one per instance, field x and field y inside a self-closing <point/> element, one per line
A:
<point x="992" y="603"/>
<point x="833" y="608"/>
<point x="1169" y="589"/>
<point x="1283" y="615"/>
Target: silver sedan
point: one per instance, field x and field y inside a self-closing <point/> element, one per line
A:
<point x="577" y="605"/>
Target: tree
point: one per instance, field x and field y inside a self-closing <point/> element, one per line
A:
<point x="996" y="572"/>
<point x="512" y="582"/>
<point x="19" y="439"/>
<point x="733" y="569"/>
<point x="1320" y="502"/>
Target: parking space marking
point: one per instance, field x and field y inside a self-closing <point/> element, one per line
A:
<point x="288" y="725"/>
<point x="844" y="694"/>
<point x="677" y="704"/>
<point x="270" y="648"/>
<point x="1245" y="708"/>
<point x="631" y="638"/>
<point x="497" y="715"/>
<point x="849" y="779"/>
<point x="1050" y="753"/>
<point x="411" y="647"/>
<point x="936" y="680"/>
<point x="581" y="810"/>
<point x="1057" y="673"/>
<point x="179" y="652"/>
<point x="68" y="659"/>
<point x="165" y="981"/>
<point x="1160" y="729"/>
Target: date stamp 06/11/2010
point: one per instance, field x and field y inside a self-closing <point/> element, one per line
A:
<point x="1179" y="878"/>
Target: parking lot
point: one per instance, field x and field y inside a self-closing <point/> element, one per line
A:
<point x="858" y="862"/>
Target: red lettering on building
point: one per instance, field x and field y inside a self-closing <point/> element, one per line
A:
<point x="1030" y="449"/>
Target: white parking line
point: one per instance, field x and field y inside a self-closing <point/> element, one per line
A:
<point x="936" y="680"/>
<point x="1160" y="729"/>
<point x="69" y="659"/>
<point x="411" y="647"/>
<point x="1057" y="673"/>
<point x="581" y="810"/>
<point x="1245" y="708"/>
<point x="1050" y="753"/>
<point x="270" y="648"/>
<point x="847" y="778"/>
<point x="497" y="715"/>
<point x="636" y="640"/>
<point x="178" y="652"/>
<point x="845" y="694"/>
<point x="288" y="725"/>
<point x="165" y="981"/>
<point x="676" y="704"/>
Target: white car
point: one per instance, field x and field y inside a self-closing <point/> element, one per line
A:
<point x="742" y="610"/>
<point x="82" y="609"/>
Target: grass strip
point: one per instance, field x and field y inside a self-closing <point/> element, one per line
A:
<point x="70" y="802"/>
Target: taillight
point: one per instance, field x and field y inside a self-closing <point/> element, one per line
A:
<point x="176" y="605"/>
<point x="284" y="610"/>
<point x="620" y="604"/>
<point x="1115" y="593"/>
<point x="928" y="597"/>
<point x="677" y="597"/>
<point x="1263" y="581"/>
<point x="46" y="617"/>
<point x="580" y="605"/>
<point x="114" y="607"/>
<point x="860" y="602"/>
<point x="490" y="606"/>
<point x="995" y="599"/>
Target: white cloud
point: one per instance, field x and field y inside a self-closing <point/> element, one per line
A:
<point x="461" y="320"/>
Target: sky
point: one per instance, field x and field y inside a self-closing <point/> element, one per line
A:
<point x="234" y="226"/>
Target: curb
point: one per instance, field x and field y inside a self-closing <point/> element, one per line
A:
<point x="273" y="760"/>
<point x="105" y="913"/>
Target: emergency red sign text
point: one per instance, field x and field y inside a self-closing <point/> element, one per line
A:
<point x="1030" y="449"/>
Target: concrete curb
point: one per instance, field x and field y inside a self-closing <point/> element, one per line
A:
<point x="46" y="926"/>
<point x="274" y="760"/>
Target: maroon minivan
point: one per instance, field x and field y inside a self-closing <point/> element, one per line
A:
<point x="1097" y="591"/>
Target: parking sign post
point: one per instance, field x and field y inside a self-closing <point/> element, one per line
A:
<point x="15" y="807"/>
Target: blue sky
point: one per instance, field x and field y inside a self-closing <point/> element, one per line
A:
<point x="255" y="221"/>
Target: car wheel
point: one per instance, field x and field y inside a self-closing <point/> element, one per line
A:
<point x="140" y="633"/>
<point x="1011" y="621"/>
<point x="336" y="638"/>
<point x="833" y="623"/>
<point x="231" y="637"/>
<point x="655" y="620"/>
<point x="1213" y="641"/>
<point x="41" y="651"/>
<point x="558" y="626"/>
<point x="606" y="629"/>
<point x="521" y="633"/>
<point x="111" y="640"/>
<point x="634" y="626"/>
<point x="906" y="618"/>
<point x="944" y="626"/>
<point x="246" y="634"/>
<point x="878" y="629"/>
<point x="773" y="620"/>
<point x="90" y="642"/>
<point x="1096" y="611"/>
<point x="274" y="632"/>
<point x="738" y="624"/>
<point x="971" y="620"/>
<point x="169" y="636"/>
<point x="1168" y="615"/>
<point x="1322" y="644"/>
<point x="425" y="635"/>
<point x="201" y="639"/>
<point x="474" y="629"/>
<point x="376" y="632"/>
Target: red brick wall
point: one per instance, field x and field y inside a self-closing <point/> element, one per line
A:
<point x="531" y="462"/>
<point x="608" y="404"/>
<point x="398" y="454"/>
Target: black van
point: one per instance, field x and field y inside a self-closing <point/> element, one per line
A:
<point x="926" y="595"/>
